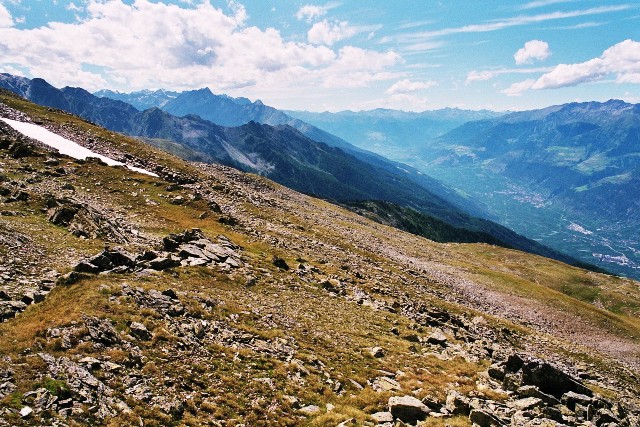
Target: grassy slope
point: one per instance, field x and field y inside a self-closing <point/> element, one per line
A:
<point x="269" y="213"/>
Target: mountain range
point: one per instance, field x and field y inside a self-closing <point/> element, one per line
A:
<point x="566" y="175"/>
<point x="287" y="156"/>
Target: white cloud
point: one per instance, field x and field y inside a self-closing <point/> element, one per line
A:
<point x="324" y="32"/>
<point x="73" y="7"/>
<point x="519" y="21"/>
<point x="423" y="46"/>
<point x="150" y="44"/>
<point x="407" y="86"/>
<point x="310" y="12"/>
<point x="621" y="60"/>
<point x="5" y="18"/>
<point x="475" y="75"/>
<point x="356" y="67"/>
<point x="543" y="3"/>
<point x="534" y="50"/>
<point x="580" y="26"/>
<point x="519" y="88"/>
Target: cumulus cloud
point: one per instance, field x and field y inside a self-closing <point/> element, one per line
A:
<point x="534" y="50"/>
<point x="309" y="12"/>
<point x="328" y="33"/>
<point x="5" y="17"/>
<point x="407" y="86"/>
<point x="324" y="32"/>
<point x="621" y="60"/>
<point x="150" y="44"/>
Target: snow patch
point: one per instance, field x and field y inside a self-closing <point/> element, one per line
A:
<point x="63" y="145"/>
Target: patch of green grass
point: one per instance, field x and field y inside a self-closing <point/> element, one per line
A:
<point x="56" y="387"/>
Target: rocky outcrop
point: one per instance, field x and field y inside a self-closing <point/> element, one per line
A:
<point x="408" y="409"/>
<point x="190" y="248"/>
<point x="85" y="221"/>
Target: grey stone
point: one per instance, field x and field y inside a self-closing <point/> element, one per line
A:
<point x="484" y="418"/>
<point x="377" y="352"/>
<point x="551" y="379"/>
<point x="190" y="251"/>
<point x="382" y="384"/>
<point x="408" y="409"/>
<point x="101" y="331"/>
<point x="86" y="267"/>
<point x="382" y="417"/>
<point x="570" y="399"/>
<point x="437" y="338"/>
<point x="163" y="262"/>
<point x="526" y="403"/>
<point x="533" y="391"/>
<point x="457" y="404"/>
<point x="604" y="416"/>
<point x="139" y="331"/>
<point x="90" y="362"/>
<point x="310" y="409"/>
<point x="496" y="371"/>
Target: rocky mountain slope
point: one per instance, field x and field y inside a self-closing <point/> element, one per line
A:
<point x="564" y="175"/>
<point x="288" y="157"/>
<point x="206" y="296"/>
<point x="226" y="111"/>
<point x="223" y="110"/>
<point x="573" y="168"/>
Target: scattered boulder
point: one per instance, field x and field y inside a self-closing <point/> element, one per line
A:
<point x="438" y="338"/>
<point x="26" y="411"/>
<point x="86" y="221"/>
<point x="107" y="260"/>
<point x="9" y="309"/>
<point x="163" y="304"/>
<point x="310" y="409"/>
<point x="408" y="409"/>
<point x="382" y="417"/>
<point x="140" y="331"/>
<point x="101" y="331"/>
<point x="605" y="417"/>
<point x="484" y="418"/>
<point x="496" y="371"/>
<point x="382" y="384"/>
<point x="280" y="263"/>
<point x="551" y="379"/>
<point x="570" y="399"/>
<point x="377" y="352"/>
<point x="533" y="391"/>
<point x="189" y="248"/>
<point x="457" y="404"/>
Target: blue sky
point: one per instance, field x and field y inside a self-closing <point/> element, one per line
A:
<point x="335" y="55"/>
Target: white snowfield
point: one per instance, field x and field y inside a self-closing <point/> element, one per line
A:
<point x="63" y="145"/>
